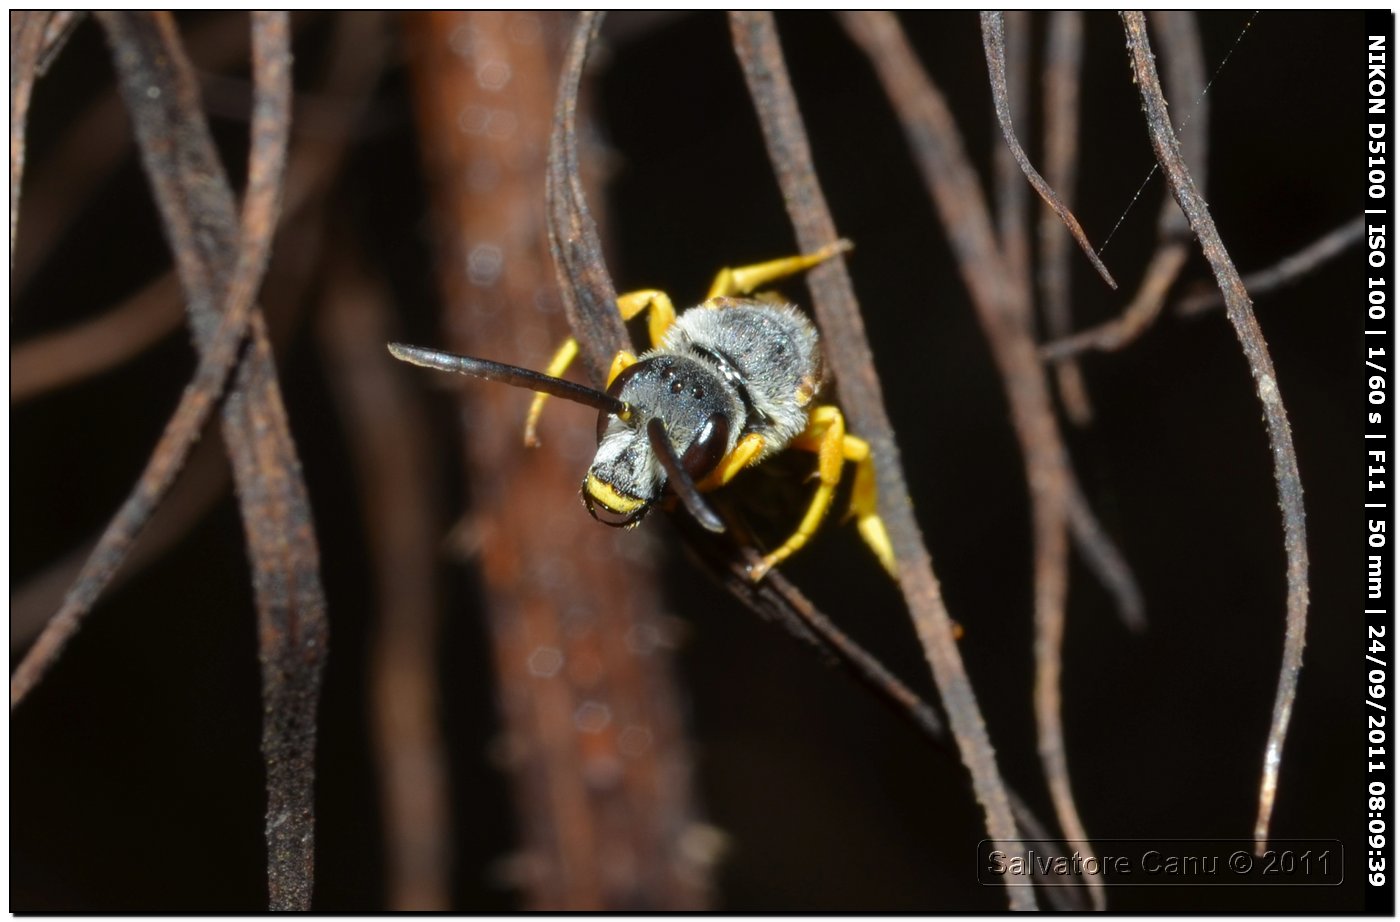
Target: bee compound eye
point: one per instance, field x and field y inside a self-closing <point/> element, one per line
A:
<point x="627" y="374"/>
<point x="709" y="447"/>
<point x="615" y="390"/>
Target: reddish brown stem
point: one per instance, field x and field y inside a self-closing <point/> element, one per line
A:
<point x="594" y="742"/>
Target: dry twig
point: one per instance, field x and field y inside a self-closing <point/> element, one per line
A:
<point x="1064" y="52"/>
<point x="1003" y="308"/>
<point x="198" y="210"/>
<point x="994" y="43"/>
<point x="1256" y="350"/>
<point x="27" y="43"/>
<point x="94" y="144"/>
<point x="202" y="482"/>
<point x="54" y="360"/>
<point x="1286" y="271"/>
<point x="1186" y="86"/>
<point x="777" y="599"/>
<point x="755" y="41"/>
<point x="389" y="443"/>
<point x="270" y="130"/>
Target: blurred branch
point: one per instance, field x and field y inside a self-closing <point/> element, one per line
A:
<point x="760" y="56"/>
<point x="1256" y="350"/>
<point x="1161" y="273"/>
<point x="28" y="39"/>
<point x="777" y="599"/>
<point x="1004" y="311"/>
<point x="594" y="742"/>
<point x="994" y="44"/>
<point x="1009" y="183"/>
<point x="54" y="360"/>
<point x="389" y="444"/>
<point x="1064" y="53"/>
<point x="1287" y="271"/>
<point x="1047" y="467"/>
<point x="200" y="485"/>
<point x="1104" y="560"/>
<point x="1186" y="90"/>
<point x="94" y="143"/>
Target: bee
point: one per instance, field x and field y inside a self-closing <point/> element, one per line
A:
<point x="725" y="386"/>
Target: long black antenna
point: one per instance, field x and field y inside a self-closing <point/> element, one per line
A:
<point x="513" y="375"/>
<point x="680" y="480"/>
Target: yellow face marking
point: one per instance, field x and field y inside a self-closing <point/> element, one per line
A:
<point x="609" y="498"/>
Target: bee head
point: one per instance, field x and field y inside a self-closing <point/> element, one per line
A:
<point x="678" y="426"/>
<point x="665" y="419"/>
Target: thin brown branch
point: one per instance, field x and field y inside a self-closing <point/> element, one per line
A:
<point x="1064" y="53"/>
<point x="1046" y="471"/>
<point x="761" y="58"/>
<point x="390" y="447"/>
<point x="1162" y="270"/>
<point x="994" y="43"/>
<point x="56" y="35"/>
<point x="585" y="287"/>
<point x="1256" y="350"/>
<point x="1104" y="559"/>
<point x="1186" y="93"/>
<point x="1004" y="312"/>
<point x="1286" y="271"/>
<point x="269" y="153"/>
<point x="201" y="223"/>
<point x="94" y="143"/>
<point x="93" y="347"/>
<point x="1009" y="186"/>
<point x="28" y="31"/>
<point x="58" y="359"/>
<point x="777" y="599"/>
<point x="203" y="482"/>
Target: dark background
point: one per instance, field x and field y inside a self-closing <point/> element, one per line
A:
<point x="135" y="776"/>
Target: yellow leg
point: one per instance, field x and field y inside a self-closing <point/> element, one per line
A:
<point x="620" y="361"/>
<point x="749" y="447"/>
<point x="863" y="507"/>
<point x="826" y="435"/>
<point x="663" y="314"/>
<point x="745" y="279"/>
<point x="557" y="366"/>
